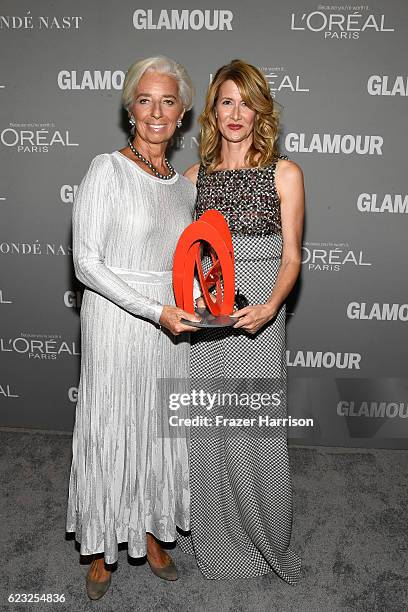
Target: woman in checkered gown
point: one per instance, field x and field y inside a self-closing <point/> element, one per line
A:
<point x="241" y="497"/>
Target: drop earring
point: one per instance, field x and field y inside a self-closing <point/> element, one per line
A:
<point x="179" y="123"/>
<point x="133" y="124"/>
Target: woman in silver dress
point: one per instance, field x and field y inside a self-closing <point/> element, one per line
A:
<point x="241" y="497"/>
<point x="128" y="483"/>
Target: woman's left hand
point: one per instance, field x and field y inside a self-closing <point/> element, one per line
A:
<point x="252" y="318"/>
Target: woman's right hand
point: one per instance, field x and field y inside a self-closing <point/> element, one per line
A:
<point x="171" y="319"/>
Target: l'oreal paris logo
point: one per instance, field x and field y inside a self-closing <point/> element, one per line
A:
<point x="35" y="138"/>
<point x="281" y="81"/>
<point x="339" y="25"/>
<point x="330" y="257"/>
<point x="39" y="348"/>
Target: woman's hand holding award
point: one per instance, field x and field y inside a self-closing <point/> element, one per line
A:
<point x="211" y="229"/>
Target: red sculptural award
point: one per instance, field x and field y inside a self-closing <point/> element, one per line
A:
<point x="211" y="229"/>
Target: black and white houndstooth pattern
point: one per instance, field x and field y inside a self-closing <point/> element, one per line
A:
<point x="241" y="496"/>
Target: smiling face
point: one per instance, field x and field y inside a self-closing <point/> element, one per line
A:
<point x="235" y="120"/>
<point x="156" y="107"/>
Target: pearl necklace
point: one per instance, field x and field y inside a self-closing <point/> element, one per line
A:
<point x="146" y="161"/>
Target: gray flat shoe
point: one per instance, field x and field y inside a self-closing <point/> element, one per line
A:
<point x="169" y="572"/>
<point x="96" y="590"/>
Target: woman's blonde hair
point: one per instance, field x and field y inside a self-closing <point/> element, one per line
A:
<point x="163" y="65"/>
<point x="255" y="92"/>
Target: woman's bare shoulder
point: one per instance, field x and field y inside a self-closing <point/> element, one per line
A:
<point x="192" y="173"/>
<point x="288" y="169"/>
<point x="288" y="177"/>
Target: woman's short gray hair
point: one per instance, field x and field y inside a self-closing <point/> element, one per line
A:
<point x="163" y="65"/>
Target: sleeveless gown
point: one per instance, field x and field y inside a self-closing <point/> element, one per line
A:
<point x="241" y="496"/>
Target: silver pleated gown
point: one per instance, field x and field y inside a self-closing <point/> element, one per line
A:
<point x="125" y="478"/>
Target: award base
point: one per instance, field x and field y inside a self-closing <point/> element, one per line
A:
<point x="209" y="320"/>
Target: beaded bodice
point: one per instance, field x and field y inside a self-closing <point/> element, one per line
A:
<point x="247" y="197"/>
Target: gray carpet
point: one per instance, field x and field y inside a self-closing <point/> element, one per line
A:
<point x="350" y="528"/>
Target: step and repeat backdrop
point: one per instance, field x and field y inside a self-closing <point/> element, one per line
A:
<point x="339" y="76"/>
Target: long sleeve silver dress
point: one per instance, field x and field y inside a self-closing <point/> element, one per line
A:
<point x="125" y="478"/>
